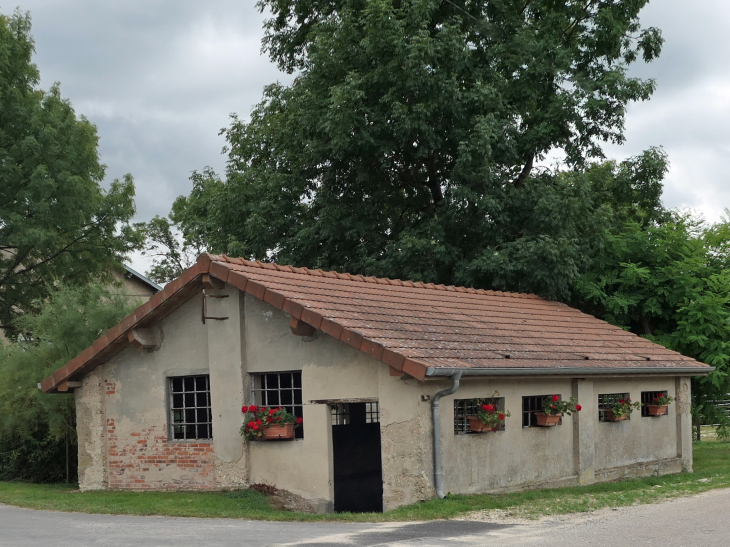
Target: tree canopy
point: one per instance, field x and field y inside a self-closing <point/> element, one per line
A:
<point x="406" y="145"/>
<point x="33" y="426"/>
<point x="56" y="221"/>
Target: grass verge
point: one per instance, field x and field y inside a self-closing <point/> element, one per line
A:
<point x="711" y="464"/>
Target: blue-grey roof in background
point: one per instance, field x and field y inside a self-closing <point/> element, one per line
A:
<point x="142" y="278"/>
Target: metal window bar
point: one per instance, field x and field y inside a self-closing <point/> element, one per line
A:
<point x="530" y="405"/>
<point x="190" y="413"/>
<point x="647" y="398"/>
<point x="465" y="407"/>
<point x="341" y="413"/>
<point x="280" y="389"/>
<point x="606" y="401"/>
<point x="372" y="413"/>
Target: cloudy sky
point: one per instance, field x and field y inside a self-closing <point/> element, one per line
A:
<point x="160" y="78"/>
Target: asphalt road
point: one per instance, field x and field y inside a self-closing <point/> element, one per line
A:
<point x="702" y="520"/>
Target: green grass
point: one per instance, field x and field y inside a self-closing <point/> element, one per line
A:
<point x="712" y="470"/>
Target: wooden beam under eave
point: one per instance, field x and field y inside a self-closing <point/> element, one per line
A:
<point x="211" y="282"/>
<point x="145" y="338"/>
<point x="300" y="328"/>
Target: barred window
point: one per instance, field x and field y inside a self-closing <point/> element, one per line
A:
<point x="280" y="389"/>
<point x="348" y="413"/>
<point x="466" y="407"/>
<point x="606" y="401"/>
<point x="647" y="398"/>
<point x="190" y="414"/>
<point x="531" y="405"/>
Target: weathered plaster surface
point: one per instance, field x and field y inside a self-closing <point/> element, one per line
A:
<point x="123" y="437"/>
<point x="91" y="425"/>
<point x="639" y="439"/>
<point x="509" y="458"/>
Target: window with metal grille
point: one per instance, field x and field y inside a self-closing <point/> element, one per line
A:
<point x="530" y="405"/>
<point x="190" y="414"/>
<point x="342" y="413"/>
<point x="606" y="401"/>
<point x="280" y="389"/>
<point x="647" y="398"/>
<point x="467" y="407"/>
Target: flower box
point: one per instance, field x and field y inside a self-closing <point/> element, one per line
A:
<point x="611" y="417"/>
<point x="477" y="426"/>
<point x="279" y="432"/>
<point x="656" y="410"/>
<point x="547" y="420"/>
<point x="268" y="424"/>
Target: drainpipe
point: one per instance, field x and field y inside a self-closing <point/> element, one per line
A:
<point x="437" y="474"/>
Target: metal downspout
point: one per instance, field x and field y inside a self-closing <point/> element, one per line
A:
<point x="438" y="477"/>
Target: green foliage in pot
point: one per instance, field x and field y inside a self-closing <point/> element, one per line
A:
<point x="259" y="418"/>
<point x="553" y="406"/>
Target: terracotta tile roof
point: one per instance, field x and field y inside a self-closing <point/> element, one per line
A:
<point x="418" y="328"/>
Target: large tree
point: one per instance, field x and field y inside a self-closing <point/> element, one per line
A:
<point x="407" y="142"/>
<point x="56" y="221"/>
<point x="37" y="431"/>
<point x="669" y="281"/>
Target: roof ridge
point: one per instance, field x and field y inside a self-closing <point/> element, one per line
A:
<point x="367" y="279"/>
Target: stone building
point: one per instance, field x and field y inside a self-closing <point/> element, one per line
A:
<point x="382" y="373"/>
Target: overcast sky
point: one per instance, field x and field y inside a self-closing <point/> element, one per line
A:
<point x="160" y="78"/>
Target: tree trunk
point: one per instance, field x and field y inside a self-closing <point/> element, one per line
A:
<point x="699" y="428"/>
<point x="522" y="177"/>
<point x="68" y="474"/>
<point x="646" y="325"/>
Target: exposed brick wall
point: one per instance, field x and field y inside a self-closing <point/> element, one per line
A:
<point x="145" y="459"/>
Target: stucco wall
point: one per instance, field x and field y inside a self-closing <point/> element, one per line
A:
<point x="513" y="457"/>
<point x="125" y="400"/>
<point x="122" y="410"/>
<point x="639" y="439"/>
<point x="330" y="370"/>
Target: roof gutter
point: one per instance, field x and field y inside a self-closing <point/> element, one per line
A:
<point x="572" y="371"/>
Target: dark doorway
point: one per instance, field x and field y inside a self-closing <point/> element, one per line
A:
<point x="358" y="466"/>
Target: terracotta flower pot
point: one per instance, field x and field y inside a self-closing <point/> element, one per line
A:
<point x="477" y="426"/>
<point x="279" y="432"/>
<point x="547" y="420"/>
<point x="657" y="410"/>
<point x="610" y="417"/>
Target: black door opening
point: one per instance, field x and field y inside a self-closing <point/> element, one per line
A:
<point x="358" y="469"/>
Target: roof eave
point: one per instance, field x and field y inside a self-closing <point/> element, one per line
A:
<point x="568" y="371"/>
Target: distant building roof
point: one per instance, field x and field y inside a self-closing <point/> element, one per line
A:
<point x="421" y="329"/>
<point x="134" y="273"/>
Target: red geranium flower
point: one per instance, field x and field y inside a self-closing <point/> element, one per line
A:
<point x="255" y="427"/>
<point x="501" y="416"/>
<point x="555" y="399"/>
<point x="578" y="408"/>
<point x="299" y="420"/>
<point x="621" y="401"/>
<point x="244" y="409"/>
<point x="251" y="424"/>
<point x="252" y="408"/>
<point x="258" y="422"/>
<point x="272" y="411"/>
<point x="552" y="406"/>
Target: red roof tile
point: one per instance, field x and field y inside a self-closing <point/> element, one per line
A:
<point x="422" y="329"/>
